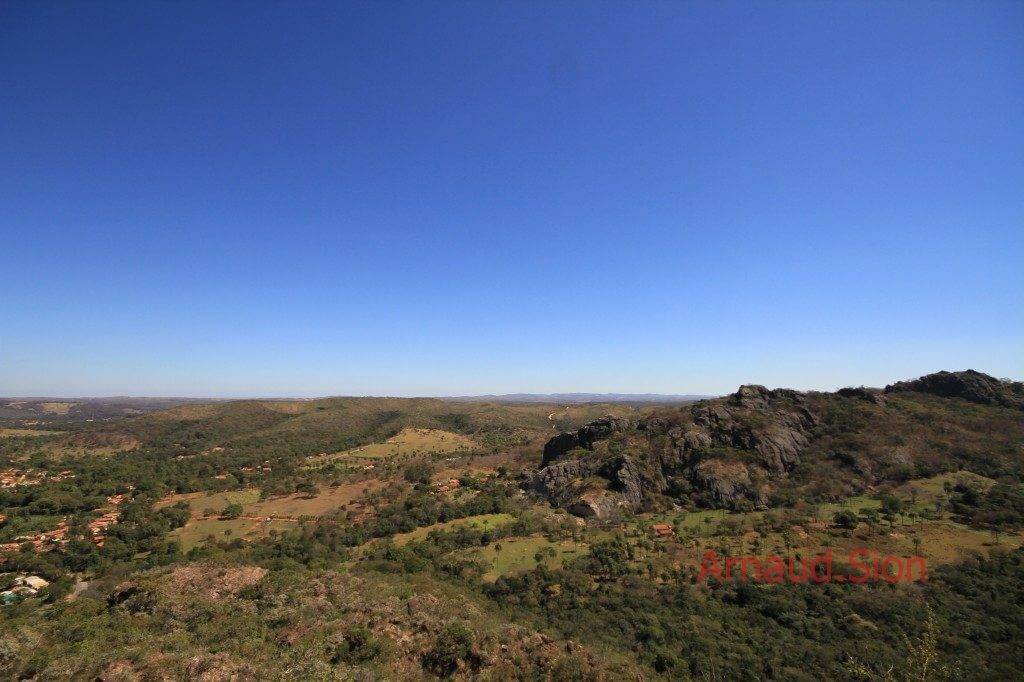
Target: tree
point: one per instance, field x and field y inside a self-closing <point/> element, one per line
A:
<point x="845" y="518"/>
<point x="546" y="552"/>
<point x="919" y="663"/>
<point x="358" y="646"/>
<point x="419" y="471"/>
<point x="232" y="511"/>
<point x="307" y="489"/>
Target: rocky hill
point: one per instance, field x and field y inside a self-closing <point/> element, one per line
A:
<point x="970" y="385"/>
<point x="759" y="445"/>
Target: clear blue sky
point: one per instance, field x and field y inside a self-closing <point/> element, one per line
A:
<point x="202" y="198"/>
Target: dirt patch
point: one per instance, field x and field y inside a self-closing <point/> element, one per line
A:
<point x="212" y="582"/>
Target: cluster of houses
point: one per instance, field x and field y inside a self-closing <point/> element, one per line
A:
<point x="11" y="478"/>
<point x="24" y="586"/>
<point x="265" y="469"/>
<point x="98" y="527"/>
<point x="44" y="540"/>
<point x="41" y="541"/>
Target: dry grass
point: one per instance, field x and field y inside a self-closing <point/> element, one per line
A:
<point x="13" y="433"/>
<point x="291" y="506"/>
<point x="326" y="500"/>
<point x="199" y="530"/>
<point x="56" y="408"/>
<point x="258" y="517"/>
<point x="482" y="522"/>
<point x="930" y="489"/>
<point x="199" y="502"/>
<point x="410" y="441"/>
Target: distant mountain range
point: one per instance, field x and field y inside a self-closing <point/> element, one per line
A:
<point x="578" y="398"/>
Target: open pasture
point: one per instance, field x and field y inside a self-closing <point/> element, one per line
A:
<point x="482" y="522"/>
<point x="409" y="441"/>
<point x="509" y="556"/>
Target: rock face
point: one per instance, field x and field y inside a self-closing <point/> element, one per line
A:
<point x="562" y="482"/>
<point x="969" y="385"/>
<point x="584" y="437"/>
<point x="740" y="451"/>
<point x="869" y="395"/>
<point x="727" y="482"/>
<point x="773" y="424"/>
<point x="766" y="430"/>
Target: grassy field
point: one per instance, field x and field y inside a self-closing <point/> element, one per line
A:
<point x="410" y="442"/>
<point x="945" y="541"/>
<point x="13" y="433"/>
<point x="515" y="555"/>
<point x="200" y="502"/>
<point x="295" y="505"/>
<point x="198" y="530"/>
<point x="705" y="520"/>
<point x="929" y="489"/>
<point x="258" y="516"/>
<point x="482" y="522"/>
<point x="328" y="499"/>
<point x="854" y="504"/>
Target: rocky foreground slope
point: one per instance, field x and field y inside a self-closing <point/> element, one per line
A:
<point x="741" y="450"/>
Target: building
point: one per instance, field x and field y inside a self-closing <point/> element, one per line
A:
<point x="662" y="530"/>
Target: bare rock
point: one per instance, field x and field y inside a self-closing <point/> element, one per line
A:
<point x="584" y="437"/>
<point x="970" y="385"/>
<point x="596" y="504"/>
<point x="773" y="425"/>
<point x="728" y="482"/>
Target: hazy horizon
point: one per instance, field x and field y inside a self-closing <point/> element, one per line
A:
<point x="299" y="395"/>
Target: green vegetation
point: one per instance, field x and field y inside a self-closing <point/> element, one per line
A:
<point x="483" y="522"/>
<point x="516" y="555"/>
<point x="395" y="539"/>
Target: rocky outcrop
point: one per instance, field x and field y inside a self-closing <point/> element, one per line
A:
<point x="868" y="395"/>
<point x="969" y="385"/>
<point x="629" y="479"/>
<point x="771" y="426"/>
<point x="728" y="483"/>
<point x="596" y="504"/>
<point x="562" y="482"/>
<point x="584" y="437"/>
<point x="559" y="446"/>
<point x="741" y="450"/>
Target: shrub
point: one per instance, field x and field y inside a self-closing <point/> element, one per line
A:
<point x="232" y="511"/>
<point x="844" y="518"/>
<point x="454" y="645"/>
<point x="359" y="646"/>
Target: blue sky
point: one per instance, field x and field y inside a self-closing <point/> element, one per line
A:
<point x="232" y="199"/>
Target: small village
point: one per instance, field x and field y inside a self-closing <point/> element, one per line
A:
<point x="12" y="478"/>
<point x="58" y="537"/>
